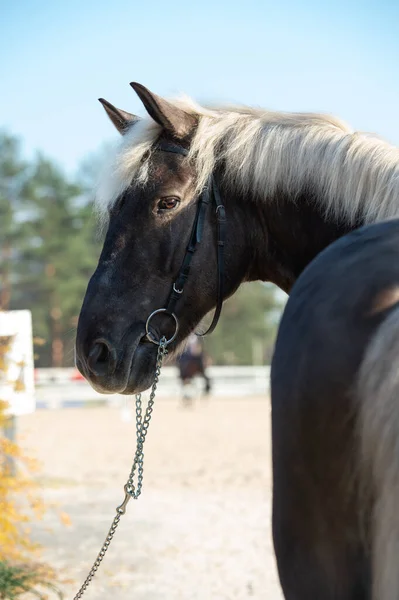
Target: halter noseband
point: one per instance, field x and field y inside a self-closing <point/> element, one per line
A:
<point x="210" y="194"/>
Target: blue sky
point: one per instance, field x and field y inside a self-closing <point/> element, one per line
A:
<point x="59" y="57"/>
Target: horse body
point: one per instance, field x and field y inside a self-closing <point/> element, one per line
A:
<point x="335" y="423"/>
<point x="291" y="185"/>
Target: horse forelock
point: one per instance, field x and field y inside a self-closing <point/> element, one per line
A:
<point x="353" y="176"/>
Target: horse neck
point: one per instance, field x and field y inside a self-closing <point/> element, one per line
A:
<point x="295" y="178"/>
<point x="284" y="236"/>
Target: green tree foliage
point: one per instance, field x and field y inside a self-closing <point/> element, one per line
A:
<point x="247" y="328"/>
<point x="49" y="248"/>
<point x="12" y="178"/>
<point x="56" y="258"/>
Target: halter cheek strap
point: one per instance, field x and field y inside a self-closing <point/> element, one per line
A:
<point x="221" y="238"/>
<point x="209" y="195"/>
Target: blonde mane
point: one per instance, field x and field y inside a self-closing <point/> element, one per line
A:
<point x="353" y="175"/>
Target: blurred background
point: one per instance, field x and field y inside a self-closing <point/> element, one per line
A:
<point x="57" y="58"/>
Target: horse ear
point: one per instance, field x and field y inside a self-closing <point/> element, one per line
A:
<point x="172" y="118"/>
<point x="120" y="118"/>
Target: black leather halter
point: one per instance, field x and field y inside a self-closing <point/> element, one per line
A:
<point x="209" y="195"/>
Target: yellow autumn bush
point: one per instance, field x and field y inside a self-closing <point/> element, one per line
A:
<point x="19" y="500"/>
<point x="20" y="503"/>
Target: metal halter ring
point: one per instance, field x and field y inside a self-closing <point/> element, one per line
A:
<point x="176" y="290"/>
<point x="147" y="330"/>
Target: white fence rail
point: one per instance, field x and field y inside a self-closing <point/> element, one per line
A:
<point x="56" y="388"/>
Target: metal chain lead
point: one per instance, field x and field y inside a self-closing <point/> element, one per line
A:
<point x="132" y="490"/>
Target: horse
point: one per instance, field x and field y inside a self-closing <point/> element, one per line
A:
<point x="335" y="422"/>
<point x="289" y="184"/>
<point x="191" y="362"/>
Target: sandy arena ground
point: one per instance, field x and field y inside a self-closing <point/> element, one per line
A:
<point x="201" y="528"/>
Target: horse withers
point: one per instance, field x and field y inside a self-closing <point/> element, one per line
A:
<point x="335" y="423"/>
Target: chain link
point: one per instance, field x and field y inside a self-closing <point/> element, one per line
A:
<point x="132" y="489"/>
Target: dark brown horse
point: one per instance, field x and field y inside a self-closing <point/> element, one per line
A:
<point x="291" y="184"/>
<point x="335" y="423"/>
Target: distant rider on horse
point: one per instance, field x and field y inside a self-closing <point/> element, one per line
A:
<point x="192" y="362"/>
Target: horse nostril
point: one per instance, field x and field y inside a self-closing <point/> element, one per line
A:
<point x="102" y="358"/>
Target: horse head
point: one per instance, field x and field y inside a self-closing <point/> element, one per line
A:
<point x="149" y="200"/>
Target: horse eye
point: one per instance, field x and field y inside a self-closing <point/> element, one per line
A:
<point x="168" y="203"/>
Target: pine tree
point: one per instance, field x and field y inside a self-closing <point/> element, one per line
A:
<point x="13" y="173"/>
<point x="56" y="258"/>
